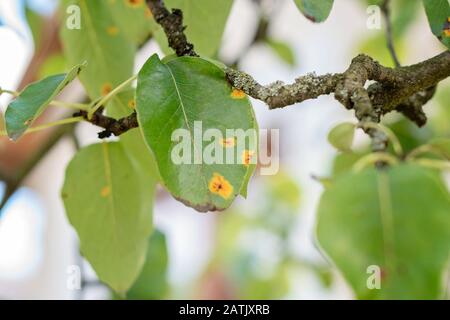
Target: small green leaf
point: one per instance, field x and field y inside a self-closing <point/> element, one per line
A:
<point x="341" y="136"/>
<point x="282" y="50"/>
<point x="100" y="42"/>
<point x="397" y="220"/>
<point x="177" y="103"/>
<point x="315" y="10"/>
<point x="438" y="12"/>
<point x="111" y="211"/>
<point x="33" y="100"/>
<point x="205" y="22"/>
<point x="152" y="282"/>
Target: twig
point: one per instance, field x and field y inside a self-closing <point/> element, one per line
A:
<point x="111" y="125"/>
<point x="389" y="34"/>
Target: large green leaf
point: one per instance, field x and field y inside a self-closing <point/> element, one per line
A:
<point x="315" y="10"/>
<point x="152" y="282"/>
<point x="186" y="93"/>
<point x="438" y="12"/>
<point x="397" y="219"/>
<point x="111" y="210"/>
<point x="134" y="18"/>
<point x="205" y="21"/>
<point x="33" y="100"/>
<point x="101" y="42"/>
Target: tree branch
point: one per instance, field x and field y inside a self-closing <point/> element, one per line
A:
<point x="404" y="89"/>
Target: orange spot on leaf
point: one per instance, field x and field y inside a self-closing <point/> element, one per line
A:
<point x="106" y="88"/>
<point x="112" y="30"/>
<point x="148" y="13"/>
<point x="228" y="142"/>
<point x="105" y="191"/>
<point x="132" y="104"/>
<point x="220" y="186"/>
<point x="134" y="3"/>
<point x="238" y="94"/>
<point x="247" y="157"/>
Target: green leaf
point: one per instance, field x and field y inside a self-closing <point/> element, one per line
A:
<point x="100" y="42"/>
<point x="396" y="219"/>
<point x="341" y="136"/>
<point x="33" y="100"/>
<point x="111" y="211"/>
<point x="192" y="95"/>
<point x="134" y="18"/>
<point x="438" y="12"/>
<point x="205" y="21"/>
<point x="315" y="10"/>
<point x="282" y="50"/>
<point x="152" y="282"/>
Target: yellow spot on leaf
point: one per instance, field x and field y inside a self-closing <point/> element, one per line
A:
<point x="105" y="191"/>
<point x="148" y="13"/>
<point x="228" y="143"/>
<point x="132" y="104"/>
<point x="247" y="156"/>
<point x="237" y="94"/>
<point x="134" y="3"/>
<point x="106" y="88"/>
<point x="447" y="28"/>
<point x="112" y="30"/>
<point x="220" y="186"/>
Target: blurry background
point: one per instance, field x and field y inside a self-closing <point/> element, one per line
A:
<point x="262" y="247"/>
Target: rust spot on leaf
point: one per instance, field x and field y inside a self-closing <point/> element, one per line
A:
<point x="134" y="3"/>
<point x="112" y="30"/>
<point x="106" y="88"/>
<point x="106" y="190"/>
<point x="220" y="186"/>
<point x="148" y="13"/>
<point x="247" y="157"/>
<point x="132" y="104"/>
<point x="237" y="94"/>
<point x="228" y="142"/>
<point x="28" y="122"/>
<point x="447" y="28"/>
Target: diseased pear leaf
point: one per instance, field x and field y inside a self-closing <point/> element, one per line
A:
<point x="177" y="103"/>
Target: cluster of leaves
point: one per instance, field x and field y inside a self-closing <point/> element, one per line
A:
<point x="109" y="187"/>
